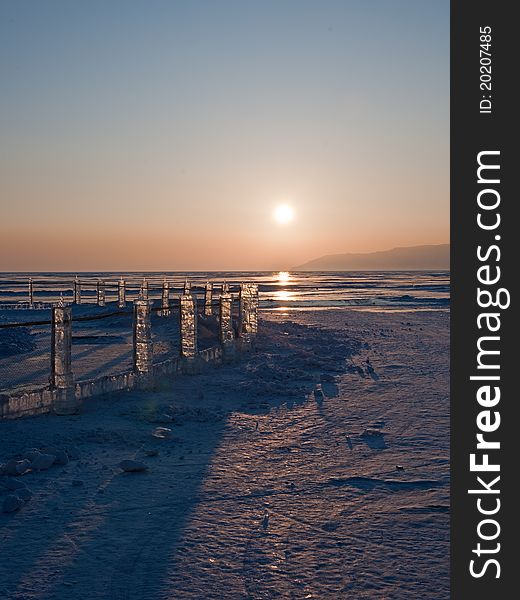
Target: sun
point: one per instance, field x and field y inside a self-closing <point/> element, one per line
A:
<point x="283" y="214"/>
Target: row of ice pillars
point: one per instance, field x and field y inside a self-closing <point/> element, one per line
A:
<point x="62" y="379"/>
<point x="143" y="294"/>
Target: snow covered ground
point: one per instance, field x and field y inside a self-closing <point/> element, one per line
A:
<point x="316" y="467"/>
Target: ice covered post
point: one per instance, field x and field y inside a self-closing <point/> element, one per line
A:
<point x="121" y="293"/>
<point x="62" y="380"/>
<point x="188" y="326"/>
<point x="31" y="293"/>
<point x="77" y="291"/>
<point x="100" y="293"/>
<point x="165" y="299"/>
<point x="208" y="299"/>
<point x="143" y="290"/>
<point x="143" y="348"/>
<point x="187" y="287"/>
<point x="226" y="332"/>
<point x="248" y="311"/>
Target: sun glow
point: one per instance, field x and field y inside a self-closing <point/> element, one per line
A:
<point x="283" y="296"/>
<point x="283" y="214"/>
<point x="283" y="277"/>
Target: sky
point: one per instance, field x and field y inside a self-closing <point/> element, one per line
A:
<point x="163" y="135"/>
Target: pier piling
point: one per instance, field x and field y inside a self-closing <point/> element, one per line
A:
<point x="226" y="331"/>
<point x="165" y="299"/>
<point x="77" y="291"/>
<point x="188" y="326"/>
<point x="62" y="379"/>
<point x="248" y="311"/>
<point x="208" y="299"/>
<point x="31" y="293"/>
<point x="100" y="293"/>
<point x="121" y="293"/>
<point x="143" y="347"/>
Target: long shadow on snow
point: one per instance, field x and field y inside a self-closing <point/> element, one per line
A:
<point x="132" y="544"/>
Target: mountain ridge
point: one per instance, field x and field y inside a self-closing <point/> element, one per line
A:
<point x="401" y="258"/>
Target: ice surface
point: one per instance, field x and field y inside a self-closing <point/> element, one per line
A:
<point x="261" y="488"/>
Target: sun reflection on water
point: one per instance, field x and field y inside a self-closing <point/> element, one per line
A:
<point x="283" y="295"/>
<point x="282" y="278"/>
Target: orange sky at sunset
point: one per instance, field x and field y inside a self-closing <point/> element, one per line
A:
<point x="165" y="139"/>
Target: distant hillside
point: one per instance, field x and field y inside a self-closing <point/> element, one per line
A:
<point x="398" y="259"/>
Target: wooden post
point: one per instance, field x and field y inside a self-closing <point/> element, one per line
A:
<point x="31" y="293"/>
<point x="165" y="299"/>
<point x="100" y="293"/>
<point x="143" y="347"/>
<point x="227" y="333"/>
<point x="121" y="293"/>
<point x="208" y="299"/>
<point x="77" y="291"/>
<point x="248" y="310"/>
<point x="144" y="289"/>
<point x="62" y="379"/>
<point x="188" y="326"/>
